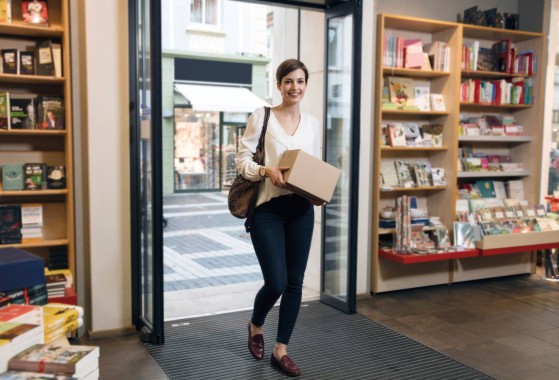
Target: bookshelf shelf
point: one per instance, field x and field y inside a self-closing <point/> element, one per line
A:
<point x="386" y="274"/>
<point x="495" y="106"/>
<point x="416" y="73"/>
<point x="31" y="79"/>
<point x="32" y="193"/>
<point x="388" y="149"/>
<point x="39" y="244"/>
<point x="413" y="113"/>
<point x="414" y="258"/>
<point x="17" y="29"/>
<point x="496" y="139"/>
<point x="489" y="74"/>
<point x="419" y="188"/>
<point x="492" y="174"/>
<point x="31" y="132"/>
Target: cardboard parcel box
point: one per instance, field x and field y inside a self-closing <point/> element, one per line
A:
<point x="309" y="176"/>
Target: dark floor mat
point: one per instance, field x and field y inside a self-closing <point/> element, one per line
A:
<point x="326" y="344"/>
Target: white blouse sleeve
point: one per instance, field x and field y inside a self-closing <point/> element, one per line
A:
<point x="244" y="163"/>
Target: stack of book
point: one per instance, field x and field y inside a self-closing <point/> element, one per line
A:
<point x="10" y="224"/>
<point x="24" y="375"/>
<point x="32" y="221"/>
<point x="34" y="295"/>
<point x="61" y="320"/>
<point x="81" y="362"/>
<point x="16" y="337"/>
<point x="56" y="285"/>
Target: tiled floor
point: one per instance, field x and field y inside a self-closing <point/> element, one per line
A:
<point x="507" y="328"/>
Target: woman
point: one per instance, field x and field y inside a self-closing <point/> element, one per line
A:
<point x="282" y="225"/>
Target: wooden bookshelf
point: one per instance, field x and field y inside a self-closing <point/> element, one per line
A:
<point x="54" y="147"/>
<point x="387" y="270"/>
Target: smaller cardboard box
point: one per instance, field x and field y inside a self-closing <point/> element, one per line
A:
<point x="309" y="176"/>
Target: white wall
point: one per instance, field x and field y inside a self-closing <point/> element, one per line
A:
<point x="103" y="123"/>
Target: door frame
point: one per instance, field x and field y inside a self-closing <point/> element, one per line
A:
<point x="151" y="330"/>
<point x="354" y="8"/>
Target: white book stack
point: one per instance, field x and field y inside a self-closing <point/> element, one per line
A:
<point x="32" y="221"/>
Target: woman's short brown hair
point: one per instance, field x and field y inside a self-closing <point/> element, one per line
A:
<point x="288" y="66"/>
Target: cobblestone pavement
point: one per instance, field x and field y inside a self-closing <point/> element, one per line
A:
<point x="204" y="245"/>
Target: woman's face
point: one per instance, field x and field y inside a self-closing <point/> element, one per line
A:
<point x="293" y="87"/>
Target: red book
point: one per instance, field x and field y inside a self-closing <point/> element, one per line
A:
<point x="21" y="314"/>
<point x="35" y="12"/>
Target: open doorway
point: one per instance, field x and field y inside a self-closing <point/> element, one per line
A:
<point x="216" y="71"/>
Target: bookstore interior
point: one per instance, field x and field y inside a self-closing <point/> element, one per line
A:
<point x="456" y="163"/>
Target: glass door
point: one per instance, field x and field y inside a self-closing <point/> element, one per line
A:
<point x="343" y="57"/>
<point x="145" y="166"/>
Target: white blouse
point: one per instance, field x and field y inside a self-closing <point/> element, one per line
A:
<point x="306" y="138"/>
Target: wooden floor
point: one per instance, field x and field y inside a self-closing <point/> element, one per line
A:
<point x="507" y="328"/>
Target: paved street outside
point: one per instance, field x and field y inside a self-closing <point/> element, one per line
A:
<point x="209" y="262"/>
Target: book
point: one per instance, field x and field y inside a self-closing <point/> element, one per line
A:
<point x="26" y="375"/>
<point x="5" y="11"/>
<point x="396" y="134"/>
<point x="438" y="176"/>
<point x="56" y="177"/>
<point x="401" y="91"/>
<point x="22" y="113"/>
<point x="35" y="12"/>
<point x="422" y="171"/>
<point x="437" y="102"/>
<point x="27" y="62"/>
<point x="12" y="177"/>
<point x="57" y="58"/>
<point x="388" y="174"/>
<point x="17" y="332"/>
<point x="44" y="58"/>
<point x="62" y="331"/>
<point x="34" y="176"/>
<point x="9" y="61"/>
<point x="50" y="112"/>
<point x="486" y="188"/>
<point x="76" y="360"/>
<point x="4" y="110"/>
<point x="56" y="315"/>
<point x="31" y="314"/>
<point x="403" y="172"/>
<point x="421" y="91"/>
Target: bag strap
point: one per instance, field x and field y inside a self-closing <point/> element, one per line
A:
<point x="261" y="146"/>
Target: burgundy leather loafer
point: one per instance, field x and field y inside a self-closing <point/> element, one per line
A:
<point x="286" y="365"/>
<point x="256" y="344"/>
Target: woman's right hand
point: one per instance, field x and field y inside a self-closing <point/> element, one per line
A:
<point x="275" y="174"/>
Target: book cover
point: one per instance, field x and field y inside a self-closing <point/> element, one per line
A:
<point x="437" y="102"/>
<point x="53" y="358"/>
<point x="5" y="11"/>
<point x="404" y="174"/>
<point x="422" y="170"/>
<point x="388" y="174"/>
<point x="35" y="12"/>
<point x="56" y="177"/>
<point x="27" y="62"/>
<point x="9" y="61"/>
<point x="22" y="113"/>
<point x="432" y="135"/>
<point x="401" y="91"/>
<point x="34" y="176"/>
<point x="13" y="331"/>
<point x="12" y="177"/>
<point x="63" y="330"/>
<point x="486" y="188"/>
<point x="422" y="90"/>
<point x="44" y="58"/>
<point x="32" y="215"/>
<point x="50" y="112"/>
<point x="10" y="218"/>
<point x="31" y="314"/>
<point x="397" y="134"/>
<point x="438" y="176"/>
<point x="4" y="110"/>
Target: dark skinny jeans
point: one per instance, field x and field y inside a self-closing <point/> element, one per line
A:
<point x="281" y="233"/>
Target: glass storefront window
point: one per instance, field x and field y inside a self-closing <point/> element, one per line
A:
<point x="196" y="153"/>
